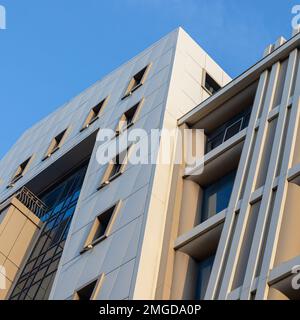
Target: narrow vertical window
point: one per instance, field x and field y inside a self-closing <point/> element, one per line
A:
<point x="101" y="227"/>
<point x="137" y="81"/>
<point x="89" y="291"/>
<point x="21" y="170"/>
<point x="129" y="117"/>
<point x="55" y="144"/>
<point x="115" y="168"/>
<point x="209" y="84"/>
<point x="94" y="114"/>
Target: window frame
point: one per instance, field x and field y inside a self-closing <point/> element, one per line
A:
<point x="221" y="131"/>
<point x="225" y="138"/>
<point x="204" y="75"/>
<point x="96" y="290"/>
<point x="201" y="283"/>
<point x="131" y="87"/>
<point x="89" y="119"/>
<point x="35" y="259"/>
<point x="90" y="242"/>
<point x="107" y="177"/>
<point x="17" y="176"/>
<point x="54" y="146"/>
<point x="120" y="129"/>
<point x="215" y="189"/>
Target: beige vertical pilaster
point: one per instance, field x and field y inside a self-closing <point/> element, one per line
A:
<point x="238" y="185"/>
<point x="279" y="204"/>
<point x="271" y="175"/>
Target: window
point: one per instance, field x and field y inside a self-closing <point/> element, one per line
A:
<point x="228" y="130"/>
<point x="115" y="168"/>
<point x="233" y="129"/>
<point x="101" y="227"/>
<point x="136" y="81"/>
<point x="90" y="291"/>
<point x="210" y="84"/>
<point x="94" y="114"/>
<point x="203" y="274"/>
<point x="23" y="167"/>
<point x="216" y="196"/>
<point x="38" y="273"/>
<point x="55" y="144"/>
<point x="129" y="117"/>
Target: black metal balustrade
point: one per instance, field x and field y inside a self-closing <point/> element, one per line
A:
<point x="32" y="202"/>
<point x="228" y="130"/>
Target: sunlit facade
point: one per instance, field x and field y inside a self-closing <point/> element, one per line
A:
<point x="72" y="228"/>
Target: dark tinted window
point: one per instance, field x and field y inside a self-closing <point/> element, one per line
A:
<point x="216" y="196"/>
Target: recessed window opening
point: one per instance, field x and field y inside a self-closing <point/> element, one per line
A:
<point x="20" y="171"/>
<point x="204" y="268"/>
<point x="55" y="144"/>
<point x="86" y="293"/>
<point x="94" y="114"/>
<point x="129" y="118"/>
<point x="115" y="168"/>
<point x="210" y="84"/>
<point x="216" y="196"/>
<point x="137" y="81"/>
<point x="90" y="291"/>
<point x="101" y="227"/>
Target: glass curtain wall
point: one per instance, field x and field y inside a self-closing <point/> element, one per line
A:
<point x="38" y="274"/>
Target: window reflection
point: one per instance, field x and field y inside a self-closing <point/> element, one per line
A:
<point x="37" y="277"/>
<point x="216" y="196"/>
<point x="204" y="268"/>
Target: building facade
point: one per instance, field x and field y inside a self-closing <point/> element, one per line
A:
<point x="71" y="228"/>
<point x="232" y="232"/>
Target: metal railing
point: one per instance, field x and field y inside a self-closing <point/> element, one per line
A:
<point x="32" y="202"/>
<point x="228" y="130"/>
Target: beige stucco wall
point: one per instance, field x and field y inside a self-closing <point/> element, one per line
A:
<point x="275" y="294"/>
<point x="185" y="91"/>
<point x="289" y="244"/>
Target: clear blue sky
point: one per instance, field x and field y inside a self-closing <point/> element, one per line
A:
<point x="54" y="49"/>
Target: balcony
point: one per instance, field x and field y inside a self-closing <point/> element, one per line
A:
<point x="29" y="200"/>
<point x="32" y="202"/>
<point x="228" y="130"/>
<point x="20" y="225"/>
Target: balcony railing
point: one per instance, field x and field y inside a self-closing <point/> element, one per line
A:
<point x="228" y="130"/>
<point x="32" y="202"/>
